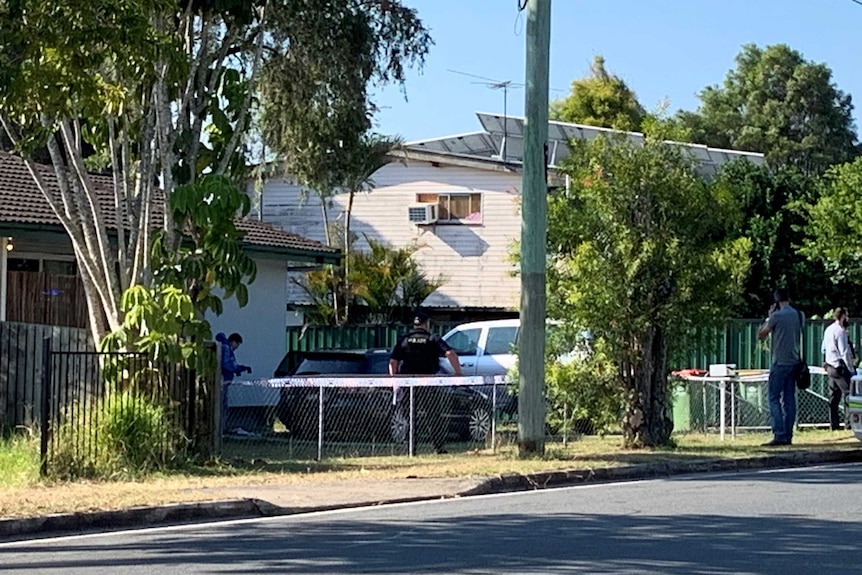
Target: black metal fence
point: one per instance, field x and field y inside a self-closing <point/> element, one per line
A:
<point x="103" y="413"/>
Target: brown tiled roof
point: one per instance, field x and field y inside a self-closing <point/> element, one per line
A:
<point x="20" y="199"/>
<point x="265" y="235"/>
<point x="21" y="202"/>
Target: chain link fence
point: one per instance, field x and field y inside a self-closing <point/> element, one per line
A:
<point x="324" y="417"/>
<point x="703" y="405"/>
<point x="328" y="417"/>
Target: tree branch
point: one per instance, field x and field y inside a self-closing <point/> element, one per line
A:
<point x="243" y="113"/>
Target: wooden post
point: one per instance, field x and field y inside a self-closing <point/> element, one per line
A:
<point x="4" y="276"/>
<point x="534" y="224"/>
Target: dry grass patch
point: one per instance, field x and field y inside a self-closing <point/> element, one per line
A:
<point x="197" y="483"/>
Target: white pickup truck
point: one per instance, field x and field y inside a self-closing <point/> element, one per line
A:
<point x="854" y="402"/>
<point x="484" y="347"/>
<point x="488" y="347"/>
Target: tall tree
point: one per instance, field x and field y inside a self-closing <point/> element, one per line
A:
<point x="168" y="319"/>
<point x="161" y="92"/>
<point x="317" y="108"/>
<point x="601" y="99"/>
<point x="641" y="250"/>
<point x="372" y="154"/>
<point x="778" y="103"/>
<point x="833" y="234"/>
<point x="776" y="228"/>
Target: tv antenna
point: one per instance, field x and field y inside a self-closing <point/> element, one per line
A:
<point x="505" y="86"/>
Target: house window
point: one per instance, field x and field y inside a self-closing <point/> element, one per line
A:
<point x="60" y="267"/>
<point x="455" y="208"/>
<point x="23" y="265"/>
<point x="57" y="267"/>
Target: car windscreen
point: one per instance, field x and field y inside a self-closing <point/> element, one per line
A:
<point x="344" y="365"/>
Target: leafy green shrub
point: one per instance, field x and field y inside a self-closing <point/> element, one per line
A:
<point x="583" y="388"/>
<point x="125" y="434"/>
<point x="585" y="395"/>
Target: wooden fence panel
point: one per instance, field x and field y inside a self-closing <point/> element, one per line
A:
<point x="21" y="349"/>
<point x="44" y="298"/>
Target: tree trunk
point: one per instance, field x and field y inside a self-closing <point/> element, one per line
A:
<point x="647" y="422"/>
<point x="99" y="327"/>
<point x="350" y="197"/>
<point x="329" y="243"/>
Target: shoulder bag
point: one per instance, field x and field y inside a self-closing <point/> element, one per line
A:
<point x="803" y="375"/>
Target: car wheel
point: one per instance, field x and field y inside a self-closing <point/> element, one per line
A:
<point x="479" y="423"/>
<point x="399" y="426"/>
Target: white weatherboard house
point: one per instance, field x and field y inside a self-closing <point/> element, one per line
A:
<point x="456" y="197"/>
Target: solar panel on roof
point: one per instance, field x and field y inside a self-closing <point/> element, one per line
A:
<point x="489" y="143"/>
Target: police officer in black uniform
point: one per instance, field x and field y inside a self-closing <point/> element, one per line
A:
<point x="419" y="353"/>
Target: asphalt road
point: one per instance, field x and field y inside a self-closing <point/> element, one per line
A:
<point x="771" y="522"/>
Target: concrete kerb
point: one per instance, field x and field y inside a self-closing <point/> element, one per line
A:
<point x="133" y="517"/>
<point x="209" y="511"/>
<point x="535" y="481"/>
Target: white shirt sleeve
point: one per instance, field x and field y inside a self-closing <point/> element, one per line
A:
<point x="844" y="349"/>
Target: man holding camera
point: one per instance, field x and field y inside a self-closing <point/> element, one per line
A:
<point x="785" y="325"/>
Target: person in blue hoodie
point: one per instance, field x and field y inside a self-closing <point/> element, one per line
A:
<point x="229" y="366"/>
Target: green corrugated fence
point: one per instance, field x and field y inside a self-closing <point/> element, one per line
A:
<point x="319" y="337"/>
<point x="735" y="343"/>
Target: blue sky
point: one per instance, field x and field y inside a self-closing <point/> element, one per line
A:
<point x="661" y="48"/>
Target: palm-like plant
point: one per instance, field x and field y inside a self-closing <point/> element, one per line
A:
<point x="372" y="154"/>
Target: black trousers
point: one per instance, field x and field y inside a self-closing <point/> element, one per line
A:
<point x="432" y="405"/>
<point x="839" y="384"/>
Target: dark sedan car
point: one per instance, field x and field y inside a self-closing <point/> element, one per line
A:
<point x="364" y="412"/>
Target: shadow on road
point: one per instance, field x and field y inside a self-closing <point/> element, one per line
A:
<point x="490" y="543"/>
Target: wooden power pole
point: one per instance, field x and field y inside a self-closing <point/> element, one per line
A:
<point x="534" y="224"/>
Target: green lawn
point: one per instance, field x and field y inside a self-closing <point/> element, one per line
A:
<point x="19" y="461"/>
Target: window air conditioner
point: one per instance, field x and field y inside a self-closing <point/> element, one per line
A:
<point x="421" y="214"/>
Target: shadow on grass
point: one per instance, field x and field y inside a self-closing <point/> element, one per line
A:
<point x="281" y="454"/>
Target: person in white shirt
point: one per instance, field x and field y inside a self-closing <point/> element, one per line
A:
<point x="838" y="363"/>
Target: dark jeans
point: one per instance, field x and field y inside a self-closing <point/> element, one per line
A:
<point x="782" y="400"/>
<point x="839" y="383"/>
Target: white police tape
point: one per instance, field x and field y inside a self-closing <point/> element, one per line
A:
<point x="377" y="381"/>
